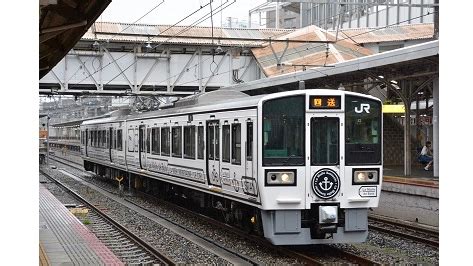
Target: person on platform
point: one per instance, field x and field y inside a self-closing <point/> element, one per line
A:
<point x="426" y="155"/>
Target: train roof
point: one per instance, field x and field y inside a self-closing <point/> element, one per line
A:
<point x="215" y="101"/>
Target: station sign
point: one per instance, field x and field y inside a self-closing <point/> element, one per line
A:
<point x="394" y="109"/>
<point x="324" y="102"/>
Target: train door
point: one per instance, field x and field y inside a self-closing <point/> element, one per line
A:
<point x="324" y="138"/>
<point x="213" y="153"/>
<point x="142" y="146"/>
<point x="86" y="141"/>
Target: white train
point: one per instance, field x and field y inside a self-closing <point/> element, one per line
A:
<point x="300" y="167"/>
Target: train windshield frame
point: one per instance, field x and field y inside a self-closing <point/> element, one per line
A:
<point x="362" y="131"/>
<point x="284" y="131"/>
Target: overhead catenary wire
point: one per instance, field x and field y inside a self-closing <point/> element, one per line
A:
<point x="115" y="60"/>
<point x="312" y="48"/>
<point x="308" y="48"/>
<point x="359" y="34"/>
<point x="205" y="17"/>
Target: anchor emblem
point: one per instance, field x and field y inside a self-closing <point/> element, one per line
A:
<point x="326" y="185"/>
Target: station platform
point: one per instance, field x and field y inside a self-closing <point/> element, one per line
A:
<point x="64" y="240"/>
<point x="418" y="176"/>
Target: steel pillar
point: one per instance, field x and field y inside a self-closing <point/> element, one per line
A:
<point x="435" y="122"/>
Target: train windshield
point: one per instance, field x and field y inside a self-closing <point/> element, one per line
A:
<point x="283" y="131"/>
<point x="362" y="131"/>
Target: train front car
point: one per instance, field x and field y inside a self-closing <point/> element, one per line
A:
<point x="321" y="165"/>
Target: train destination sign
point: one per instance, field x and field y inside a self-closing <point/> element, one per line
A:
<point x="324" y="102"/>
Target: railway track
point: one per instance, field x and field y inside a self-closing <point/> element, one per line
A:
<point x="318" y="255"/>
<point x="408" y="231"/>
<point x="130" y="248"/>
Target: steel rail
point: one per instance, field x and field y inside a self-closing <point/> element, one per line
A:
<point x="401" y="233"/>
<point x="143" y="244"/>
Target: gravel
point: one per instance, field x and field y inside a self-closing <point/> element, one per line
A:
<point x="379" y="246"/>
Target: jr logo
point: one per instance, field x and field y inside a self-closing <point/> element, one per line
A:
<point x="363" y="107"/>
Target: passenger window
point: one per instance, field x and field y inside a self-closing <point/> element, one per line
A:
<point x="236" y="143"/>
<point x="104" y="138"/>
<point x="165" y="147"/>
<point x="131" y="144"/>
<point x="217" y="142"/>
<point x="177" y="142"/>
<point x="189" y="142"/>
<point x="156" y="139"/>
<point x="210" y="141"/>
<point x="200" y="142"/>
<point x="99" y="142"/>
<point x="226" y="143"/>
<point x="249" y="141"/>
<point x="148" y="140"/>
<point x="119" y="140"/>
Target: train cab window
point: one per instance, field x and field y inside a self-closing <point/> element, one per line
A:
<point x="119" y="140"/>
<point x="189" y="142"/>
<point x="226" y="143"/>
<point x="324" y="140"/>
<point x="155" y="140"/>
<point x="284" y="131"/>
<point x="236" y="143"/>
<point x="131" y="144"/>
<point x="200" y="142"/>
<point x="249" y="141"/>
<point x="177" y="142"/>
<point x="362" y="131"/>
<point x="165" y="147"/>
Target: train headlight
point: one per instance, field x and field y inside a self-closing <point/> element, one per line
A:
<point x="274" y="178"/>
<point x="365" y="176"/>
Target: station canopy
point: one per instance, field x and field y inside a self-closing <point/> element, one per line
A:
<point x="61" y="25"/>
<point x="344" y="45"/>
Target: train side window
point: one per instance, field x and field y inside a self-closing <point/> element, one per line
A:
<point x="114" y="139"/>
<point x="111" y="138"/>
<point x="148" y="140"/>
<point x="141" y="134"/>
<point x="99" y="138"/>
<point x="165" y="147"/>
<point x="177" y="142"/>
<point x="249" y="141"/>
<point x="119" y="140"/>
<point x="200" y="142"/>
<point x="104" y="138"/>
<point x="236" y="143"/>
<point x="226" y="143"/>
<point x="131" y="144"/>
<point x="156" y="139"/>
<point x="189" y="142"/>
<point x="217" y="142"/>
<point x="210" y="141"/>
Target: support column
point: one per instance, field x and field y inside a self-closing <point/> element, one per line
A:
<point x="407" y="129"/>
<point x="277" y="15"/>
<point x="435" y="122"/>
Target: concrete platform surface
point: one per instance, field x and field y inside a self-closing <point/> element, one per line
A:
<point x="64" y="240"/>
